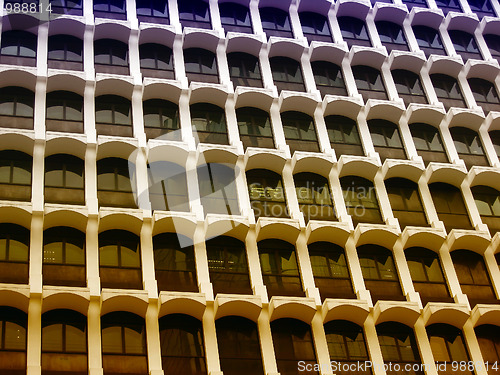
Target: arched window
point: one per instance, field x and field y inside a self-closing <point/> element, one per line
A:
<point x="15" y="175"/>
<point x="300" y="132"/>
<point x="293" y="342"/>
<point x="344" y="135"/>
<point x="354" y="31"/>
<point x="287" y="74"/>
<point x="201" y="65"/>
<point x="120" y="260"/>
<point x="330" y="270"/>
<point x="239" y="346"/>
<point x="473" y="277"/>
<point x="468" y="145"/>
<point x="124" y="349"/>
<point x="315" y="27"/>
<point x="449" y="6"/>
<point x="113" y="116"/>
<point x="235" y="17"/>
<point x="244" y="69"/>
<point x="415" y="3"/>
<point x="488" y="204"/>
<point x="482" y="8"/>
<point x="18" y="47"/>
<point x="267" y="193"/>
<point x="275" y="22"/>
<point x="448" y="347"/>
<point x="369" y="82"/>
<point x="347" y="345"/>
<point x="111" y="56"/>
<point x="361" y="200"/>
<point x="493" y="43"/>
<point x="465" y="44"/>
<point x="328" y="77"/>
<point x="280" y="269"/>
<point x="64" y="179"/>
<point x="64" y="342"/>
<point x="161" y="119"/>
<point x="156" y="61"/>
<point x="64" y="257"/>
<point x="14" y="254"/>
<point x="182" y="348"/>
<point x="428" y="40"/>
<point x="154" y="11"/>
<point x="13" y="338"/>
<point x="386" y="139"/>
<point x="392" y="36"/>
<point x="450" y="206"/>
<point x="448" y="91"/>
<point x="379" y="272"/>
<point x="16" y="107"/>
<point x="174" y="263"/>
<point x="194" y="13"/>
<point x="209" y="123"/>
<point x="428" y="143"/>
<point x="405" y="202"/>
<point x="409" y="87"/>
<point x="485" y="94"/>
<point x="399" y="346"/>
<point x="64" y="112"/>
<point x="65" y="52"/>
<point x="427" y="275"/>
<point x="114" y="188"/>
<point x="255" y="127"/>
<point x="314" y="196"/>
<point x="218" y="191"/>
<point x="115" y="9"/>
<point x="168" y="186"/>
<point x="72" y="7"/>
<point x="488" y="336"/>
<point x="495" y="139"/>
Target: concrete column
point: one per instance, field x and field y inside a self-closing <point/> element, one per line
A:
<point x="265" y="67"/>
<point x="358" y="282"/>
<point x="42" y="49"/>
<point x="185" y="120"/>
<point x="37" y="175"/>
<point x="147" y="259"/>
<point x="279" y="135"/>
<point x="222" y="64"/>
<point x="364" y="134"/>
<point x="428" y="203"/>
<point x="254" y="267"/>
<point x="295" y="21"/>
<point x="34" y="342"/>
<point x="305" y="62"/>
<point x="36" y="252"/>
<point x="140" y="180"/>
<point x="153" y="338"/>
<point x="178" y="60"/>
<point x="407" y="139"/>
<point x="92" y="255"/>
<point x="371" y="28"/>
<point x="373" y="346"/>
<point x="200" y="255"/>
<point x="215" y="16"/>
<point x="290" y="194"/>
<point x="210" y="336"/>
<point x="94" y="336"/>
<point x="133" y="55"/>
<point x="266" y="343"/>
<point x="470" y="204"/>
<point x="323" y="139"/>
<point x="383" y="199"/>
<point x="138" y="115"/>
<point x="89" y="112"/>
<point x="489" y="148"/>
<point x="451" y="276"/>
<point x="404" y="273"/>
<point x="255" y="17"/>
<point x="320" y="344"/>
<point x="306" y="272"/>
<point x="473" y="347"/>
<point x="424" y="347"/>
<point x="232" y="124"/>
<point x="242" y="189"/>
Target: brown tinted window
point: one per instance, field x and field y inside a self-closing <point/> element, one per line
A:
<point x="450" y="206"/>
<point x="267" y="193"/>
<point x="405" y="202"/>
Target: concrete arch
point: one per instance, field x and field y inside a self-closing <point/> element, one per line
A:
<point x="116" y="148"/>
<point x="250" y="43"/>
<point x="406" y="313"/>
<point x="17" y="141"/>
<point x="455" y="315"/>
<point x="318" y="164"/>
<point x="13" y="76"/>
<point x="462" y="21"/>
<point x="159" y="34"/>
<point x="316" y="6"/>
<point x="121" y="86"/>
<point x="446" y="65"/>
<point x="282" y="4"/>
<point x="427" y="17"/>
<point x="381" y="236"/>
<point x="216" y="95"/>
<point x="175" y="153"/>
<point x="56" y="299"/>
<point x="429" y="239"/>
<point x="67" y="26"/>
<point x="111" y="302"/>
<point x="491" y="25"/>
<point x="20" y="215"/>
<point x="353" y="8"/>
<point x="221" y="226"/>
<point x="213" y="155"/>
<point x="182" y="303"/>
<point x="249" y="97"/>
<point x="18" y="298"/>
<point x="355" y="311"/>
<point x="486" y="177"/>
<point x="290" y="48"/>
<point x="487" y="70"/>
<point x="446" y="174"/>
<point x="287" y="231"/>
<point x="390" y="12"/>
<point x="299" y="308"/>
<point x="332" y="53"/>
<point x="247" y="307"/>
<point x="411" y="172"/>
<point x="116" y="220"/>
<point x="467" y="119"/>
<point x="265" y="160"/>
<point x="61" y="217"/>
<point x="65" y="144"/>
<point x="344" y="106"/>
<point x="369" y="57"/>
<point x="385" y="111"/>
<point x="485" y="315"/>
<point x="413" y="63"/>
<point x="333" y="234"/>
<point x="366" y="168"/>
<point x="198" y="38"/>
<point x="166" y="90"/>
<point x="67" y="82"/>
<point x="20" y="21"/>
<point x="168" y="223"/>
<point x="111" y="29"/>
<point x="294" y="101"/>
<point x="425" y="114"/>
<point x="474" y="241"/>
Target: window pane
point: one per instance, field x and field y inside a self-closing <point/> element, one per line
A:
<point x="111" y="340"/>
<point x="74" y="254"/>
<point x="76" y="340"/>
<point x="15" y="336"/>
<point x="52" y="338"/>
<point x="108" y="255"/>
<point x="134" y="341"/>
<point x="129" y="257"/>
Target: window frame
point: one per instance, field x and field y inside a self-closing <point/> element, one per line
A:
<point x="20" y="39"/>
<point x="350" y="35"/>
<point x="270" y="192"/>
<point x="217" y="182"/>
<point x="316" y="33"/>
<point x="230" y="10"/>
<point x="272" y="25"/>
<point x="189" y="15"/>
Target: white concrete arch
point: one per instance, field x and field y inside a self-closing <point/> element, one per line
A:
<point x="213" y="155"/>
<point x="384" y="236"/>
<point x="368" y="56"/>
<point x="20" y="215"/>
<point x="453" y="175"/>
<point x="294" y="101"/>
<point x="362" y="167"/>
<point x="191" y="304"/>
<point x="316" y="6"/>
<point x="390" y="12"/>
<point x="453" y="314"/>
<point x="121" y="86"/>
<point x="450" y="66"/>
<point x="491" y="25"/>
<point x="248" y="307"/>
<point x="66" y="144"/>
<point x="282" y="4"/>
<point x="290" y="48"/>
<point x="334" y="53"/>
<point x="302" y="309"/>
<point x="212" y="94"/>
<point x="184" y="224"/>
<point x="12" y="76"/>
<point x="323" y="233"/>
<point x="67" y="82"/>
<point x="174" y="153"/>
<point x="407" y="61"/>
<point x="248" y="43"/>
<point x="385" y="110"/>
<point x="487" y="70"/>
<point x="426" y="17"/>
<point x="467" y="119"/>
<point x="344" y="106"/>
<point x="115" y="148"/>
<point x="20" y="21"/>
<point x="67" y="26"/>
<point x="160" y="34"/>
<point x="114" y="302"/>
<point x="72" y="300"/>
<point x="58" y="217"/>
<point x="200" y="38"/>
<point x="411" y="172"/>
<point x="487" y="177"/>
<point x="111" y="29"/>
<point x="431" y="239"/>
<point x="10" y="140"/>
<point x="120" y="220"/>
<point x="355" y="311"/>
<point x="284" y="230"/>
<point x="161" y="89"/>
<point x="353" y="8"/>
<point x="462" y="21"/>
<point x="249" y="97"/>
<point x="233" y="227"/>
<point x="18" y="298"/>
<point x="406" y="313"/>
<point x="261" y="159"/>
<point x="318" y="164"/>
<point x="431" y="115"/>
<point x="474" y="241"/>
<point x="482" y="314"/>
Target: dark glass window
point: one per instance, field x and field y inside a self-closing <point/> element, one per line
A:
<point x="235" y="17"/>
<point x="267" y="193"/>
<point x="314" y="196"/>
<point x="244" y="69"/>
<point x="330" y="270"/>
<point x="482" y="8"/>
<point x="346" y="344"/>
<point x="65" y="52"/>
<point x="409" y="87"/>
<point x="293" y="342"/>
<point x="315" y="27"/>
<point x="468" y="145"/>
<point x="18" y="47"/>
<point x="124" y="349"/>
<point x="201" y="65"/>
<point x="449" y="6"/>
<point x="448" y="347"/>
<point x="450" y="206"/>
<point x="300" y="132"/>
<point x="115" y="9"/>
<point x="448" y="91"/>
<point x="120" y="260"/>
<point x="495" y="139"/>
<point x="488" y="336"/>
<point x="369" y="82"/>
<point x="428" y="143"/>
<point x="114" y="188"/>
<point x="328" y="78"/>
<point x="64" y="342"/>
<point x="64" y="179"/>
<point x="15" y="175"/>
<point x="174" y="263"/>
<point x="485" y="94"/>
<point x="111" y="56"/>
<point x="156" y="61"/>
<point x="64" y="112"/>
<point x="194" y="13"/>
<point x="113" y="116"/>
<point x="218" y="191"/>
<point x="168" y="186"/>
<point x="493" y="43"/>
<point x="155" y="11"/>
<point x="275" y="22"/>
<point x="488" y="204"/>
<point x="465" y="44"/>
<point x="255" y="127"/>
<point x="14" y="254"/>
<point x="354" y="31"/>
<point x="386" y="139"/>
<point x="287" y="74"/>
<point x="415" y="3"/>
<point x="72" y="7"/>
<point x="227" y="265"/>
<point x="428" y="40"/>
<point x="344" y="136"/>
<point x="13" y="338"/>
<point x="392" y="36"/>
<point x="405" y="202"/>
<point x="427" y="275"/>
<point x="16" y="107"/>
<point x="473" y="277"/>
<point x="280" y="270"/>
<point x="398" y="345"/>
<point x="361" y="200"/>
<point x="182" y="347"/>
<point x="379" y="272"/>
<point x="161" y="119"/>
<point x="208" y="123"/>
